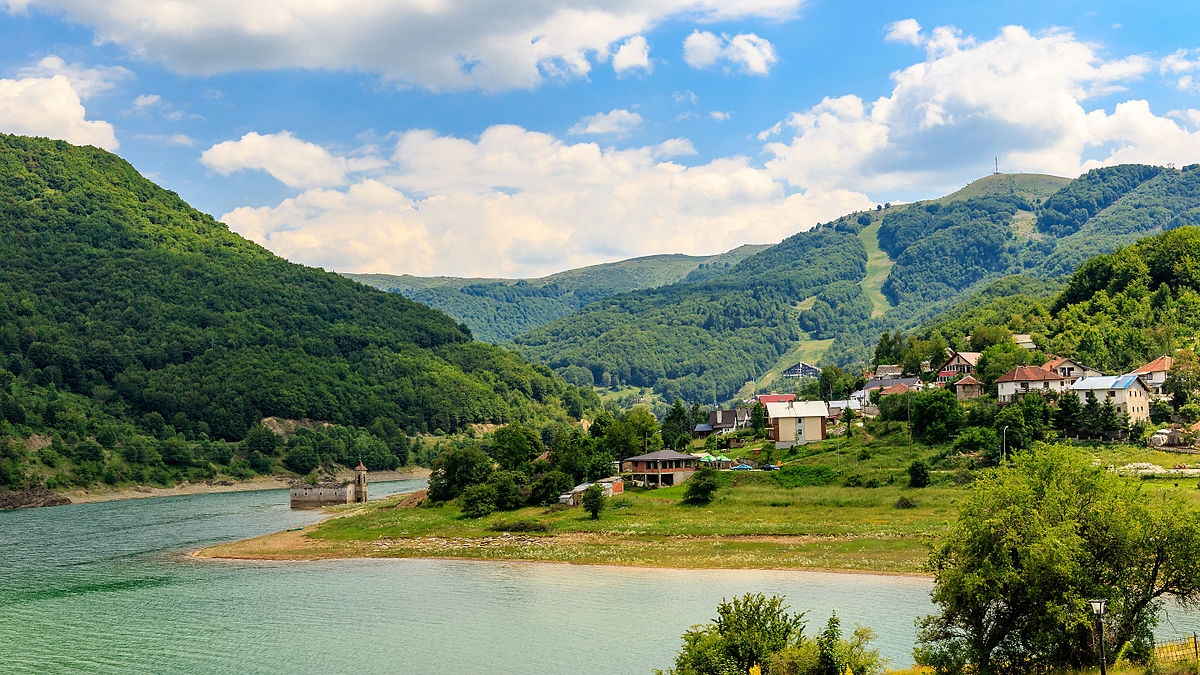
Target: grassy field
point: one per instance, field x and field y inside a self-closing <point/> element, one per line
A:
<point x="878" y="266"/>
<point x="851" y="521"/>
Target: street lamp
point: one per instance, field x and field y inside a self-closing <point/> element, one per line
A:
<point x="1004" y="444"/>
<point x="1098" y="610"/>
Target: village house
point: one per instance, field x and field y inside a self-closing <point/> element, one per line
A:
<point x="1024" y="341"/>
<point x="775" y="398"/>
<point x="888" y="371"/>
<point x="872" y="385"/>
<point x="662" y="468"/>
<point x="802" y="369"/>
<point x="614" y="485"/>
<point x="968" y="388"/>
<point x="898" y="388"/>
<point x="1028" y="379"/>
<point x="797" y="422"/>
<point x="1071" y="371"/>
<point x="1127" y="392"/>
<point x="1153" y="374"/>
<point x="836" y="407"/>
<point x="959" y="363"/>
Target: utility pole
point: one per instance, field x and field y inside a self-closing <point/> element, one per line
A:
<point x="1003" y="445"/>
<point x="910" y="422"/>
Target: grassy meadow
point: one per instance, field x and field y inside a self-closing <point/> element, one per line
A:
<point x="843" y="504"/>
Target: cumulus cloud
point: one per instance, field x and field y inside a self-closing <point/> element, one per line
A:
<point x="745" y="52"/>
<point x="1019" y="96"/>
<point x="288" y="159"/>
<point x="905" y="30"/>
<point x="85" y="81"/>
<point x="633" y="55"/>
<point x="719" y="115"/>
<point x="52" y="107"/>
<point x="1180" y="65"/>
<point x="617" y="122"/>
<point x="435" y="44"/>
<point x="518" y="202"/>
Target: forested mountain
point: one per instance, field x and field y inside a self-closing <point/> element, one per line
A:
<point x="115" y="290"/>
<point x="496" y="310"/>
<point x="694" y="339"/>
<point x="1116" y="312"/>
<point x="698" y="340"/>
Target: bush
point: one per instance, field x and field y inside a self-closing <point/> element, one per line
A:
<point x="548" y="486"/>
<point x="259" y="462"/>
<point x="512" y="489"/>
<point x="594" y="499"/>
<point x="918" y="474"/>
<point x="904" y="503"/>
<point x="805" y="476"/>
<point x="701" y="487"/>
<point x="977" y="441"/>
<point x="479" y="500"/>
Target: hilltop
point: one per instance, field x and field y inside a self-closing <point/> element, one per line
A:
<point x="496" y="310"/>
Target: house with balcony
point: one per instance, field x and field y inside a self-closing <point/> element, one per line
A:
<point x="1022" y="380"/>
<point x="1128" y="393"/>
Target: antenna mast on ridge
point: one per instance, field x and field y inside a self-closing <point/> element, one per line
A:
<point x="997" y="171"/>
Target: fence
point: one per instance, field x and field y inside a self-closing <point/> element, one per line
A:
<point x="1186" y="648"/>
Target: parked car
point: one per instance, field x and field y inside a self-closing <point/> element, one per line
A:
<point x="770" y="467"/>
<point x="743" y="467"/>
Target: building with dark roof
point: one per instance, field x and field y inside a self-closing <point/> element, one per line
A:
<point x="662" y="469"/>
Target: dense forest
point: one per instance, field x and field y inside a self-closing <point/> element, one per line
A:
<point x="497" y="310"/>
<point x="704" y="339"/>
<point x="709" y="339"/>
<point x="123" y="309"/>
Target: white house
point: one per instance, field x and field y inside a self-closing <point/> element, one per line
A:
<point x="797" y="422"/>
<point x="1153" y="374"/>
<point x="1127" y="392"/>
<point x="1070" y="370"/>
<point x="1028" y="379"/>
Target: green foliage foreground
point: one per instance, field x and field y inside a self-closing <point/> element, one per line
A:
<point x="754" y="633"/>
<point x="1034" y="541"/>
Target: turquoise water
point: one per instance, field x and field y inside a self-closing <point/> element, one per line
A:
<point x="109" y="588"/>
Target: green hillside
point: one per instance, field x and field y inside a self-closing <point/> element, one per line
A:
<point x="689" y="339"/>
<point x="496" y="310"/>
<point x="115" y="290"/>
<point x="904" y="265"/>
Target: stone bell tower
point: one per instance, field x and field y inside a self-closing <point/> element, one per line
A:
<point x="360" y="483"/>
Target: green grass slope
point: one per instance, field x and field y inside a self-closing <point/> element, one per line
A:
<point x="114" y="288"/>
<point x="1033" y="187"/>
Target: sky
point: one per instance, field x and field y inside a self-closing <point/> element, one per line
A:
<point x="525" y="137"/>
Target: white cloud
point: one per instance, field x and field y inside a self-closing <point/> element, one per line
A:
<point x="719" y="115"/>
<point x="633" y="55"/>
<point x="436" y="44"/>
<point x="289" y="160"/>
<point x="86" y="82"/>
<point x="618" y="122"/>
<point x="1178" y="64"/>
<point x="905" y="30"/>
<point x="1018" y="96"/>
<point x="687" y="96"/>
<point x="746" y="52"/>
<point x="182" y="140"/>
<point x="51" y="106"/>
<point x="517" y="202"/>
<point x="144" y="101"/>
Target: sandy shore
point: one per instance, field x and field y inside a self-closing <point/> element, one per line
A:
<point x="82" y="496"/>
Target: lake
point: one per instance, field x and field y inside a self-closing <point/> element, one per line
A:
<point x="108" y="587"/>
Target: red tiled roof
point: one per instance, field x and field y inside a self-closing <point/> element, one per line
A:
<point x="360" y="467"/>
<point x="1160" y="364"/>
<point x="1029" y="374"/>
<point x="969" y="380"/>
<point x="1054" y="363"/>
<point x="775" y="398"/>
<point x="898" y="388"/>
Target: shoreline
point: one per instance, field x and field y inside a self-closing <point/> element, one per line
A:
<point x="85" y="496"/>
<point x="199" y="555"/>
<point x="297" y="546"/>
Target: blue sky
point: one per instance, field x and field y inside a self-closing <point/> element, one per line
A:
<point x="470" y="137"/>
